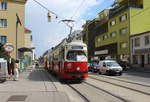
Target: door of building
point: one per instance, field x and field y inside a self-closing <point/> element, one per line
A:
<point x="142" y="60"/>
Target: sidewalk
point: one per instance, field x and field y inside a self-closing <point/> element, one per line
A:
<point x="139" y="69"/>
<point x="33" y="86"/>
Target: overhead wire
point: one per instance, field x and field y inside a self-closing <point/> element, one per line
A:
<point x="48" y="9"/>
<point x="77" y="9"/>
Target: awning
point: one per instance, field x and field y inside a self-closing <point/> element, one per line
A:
<point x="25" y="49"/>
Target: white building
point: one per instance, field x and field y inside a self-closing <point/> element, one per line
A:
<point x="140" y="50"/>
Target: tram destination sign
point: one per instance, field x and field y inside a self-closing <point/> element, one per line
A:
<point x="77" y="47"/>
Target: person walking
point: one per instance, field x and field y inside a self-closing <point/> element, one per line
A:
<point x="10" y="64"/>
<point x="16" y="70"/>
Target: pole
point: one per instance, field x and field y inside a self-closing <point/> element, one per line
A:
<point x="17" y="39"/>
<point x="17" y="22"/>
<point x="71" y="29"/>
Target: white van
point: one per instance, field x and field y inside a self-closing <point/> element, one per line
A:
<point x="109" y="67"/>
<point x="3" y="70"/>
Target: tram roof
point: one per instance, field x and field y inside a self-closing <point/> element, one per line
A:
<point x="77" y="42"/>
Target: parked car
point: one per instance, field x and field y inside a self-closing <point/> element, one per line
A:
<point x="93" y="67"/>
<point x="109" y="67"/>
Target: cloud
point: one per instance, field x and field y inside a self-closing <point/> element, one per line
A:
<point x="45" y="34"/>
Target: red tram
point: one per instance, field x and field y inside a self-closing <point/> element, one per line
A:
<point x="68" y="60"/>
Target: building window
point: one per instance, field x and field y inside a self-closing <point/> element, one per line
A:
<point x="3" y="39"/>
<point x="148" y="58"/>
<point x="98" y="39"/>
<point x="123" y="31"/>
<point x="105" y="37"/>
<point x="3" y="5"/>
<point x="137" y="42"/>
<point x="3" y="22"/>
<point x="112" y="23"/>
<point x="113" y="34"/>
<point x="124" y="45"/>
<point x="147" y="40"/>
<point x="123" y="18"/>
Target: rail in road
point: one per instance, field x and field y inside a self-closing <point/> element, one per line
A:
<point x="139" y="90"/>
<point x="80" y="94"/>
<point x="126" y="81"/>
<point x="87" y="98"/>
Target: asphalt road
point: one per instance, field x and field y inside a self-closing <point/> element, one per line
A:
<point x="39" y="85"/>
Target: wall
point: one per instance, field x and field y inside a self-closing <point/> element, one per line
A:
<point x="140" y="21"/>
<point x="10" y="30"/>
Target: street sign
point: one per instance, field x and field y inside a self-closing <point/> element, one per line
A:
<point x="9" y="47"/>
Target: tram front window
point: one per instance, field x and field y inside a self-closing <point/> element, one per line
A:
<point x="76" y="56"/>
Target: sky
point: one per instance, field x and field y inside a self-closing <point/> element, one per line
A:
<point x="49" y="34"/>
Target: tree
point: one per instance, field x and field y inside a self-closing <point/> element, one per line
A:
<point x="3" y="54"/>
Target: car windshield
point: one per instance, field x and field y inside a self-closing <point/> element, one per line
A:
<point x="76" y="56"/>
<point x="112" y="64"/>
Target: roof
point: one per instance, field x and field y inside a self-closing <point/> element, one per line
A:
<point x="108" y="60"/>
<point x="77" y="43"/>
<point x="138" y="34"/>
<point x="25" y="49"/>
<point x="20" y="1"/>
<point x="27" y="30"/>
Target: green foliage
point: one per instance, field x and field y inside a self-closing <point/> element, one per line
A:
<point x="3" y="54"/>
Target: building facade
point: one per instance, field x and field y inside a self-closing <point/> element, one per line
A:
<point x="140" y="50"/>
<point x="115" y="27"/>
<point x="29" y="54"/>
<point x="12" y="18"/>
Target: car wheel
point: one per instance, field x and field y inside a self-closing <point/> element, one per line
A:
<point x="120" y="73"/>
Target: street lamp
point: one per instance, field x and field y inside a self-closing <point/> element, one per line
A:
<point x="17" y="22"/>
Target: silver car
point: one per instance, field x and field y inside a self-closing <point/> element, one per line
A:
<point x="109" y="67"/>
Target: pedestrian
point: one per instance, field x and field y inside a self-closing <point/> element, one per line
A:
<point x="10" y="64"/>
<point x="16" y="71"/>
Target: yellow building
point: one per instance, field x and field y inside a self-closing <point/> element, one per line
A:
<point x="127" y="17"/>
<point x="12" y="18"/>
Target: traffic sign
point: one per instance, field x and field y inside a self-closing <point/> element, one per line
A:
<point x="8" y="47"/>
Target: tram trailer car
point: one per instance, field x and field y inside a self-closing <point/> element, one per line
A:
<point x="69" y="60"/>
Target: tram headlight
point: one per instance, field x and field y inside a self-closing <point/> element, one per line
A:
<point x="78" y="68"/>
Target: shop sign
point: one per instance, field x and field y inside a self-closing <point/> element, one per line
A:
<point x="101" y="52"/>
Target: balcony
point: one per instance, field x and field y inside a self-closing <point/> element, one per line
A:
<point x="118" y="9"/>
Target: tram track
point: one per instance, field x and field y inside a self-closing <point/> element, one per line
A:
<point x="122" y="86"/>
<point x="46" y="75"/>
<point x="84" y="97"/>
<point x="122" y="80"/>
<point x="116" y="96"/>
<point x="79" y="93"/>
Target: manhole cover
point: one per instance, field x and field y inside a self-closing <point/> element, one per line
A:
<point x="17" y="98"/>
